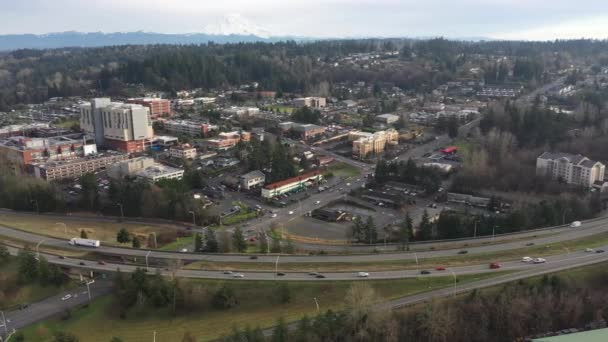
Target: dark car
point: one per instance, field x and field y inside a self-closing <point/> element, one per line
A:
<point x="280" y="274"/>
<point x="530" y="244"/>
<point x="320" y="276"/>
<point x="253" y="257"/>
<point x="464" y="251"/>
<point x="599" y="251"/>
<point x="61" y="257"/>
<point x="81" y="263"/>
<point x="425" y="272"/>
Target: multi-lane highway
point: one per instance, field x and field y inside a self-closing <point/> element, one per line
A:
<point x="548" y="236"/>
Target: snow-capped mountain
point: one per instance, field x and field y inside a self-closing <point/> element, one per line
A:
<point x="235" y="24"/>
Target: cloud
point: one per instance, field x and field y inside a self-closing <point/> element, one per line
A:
<point x="593" y="27"/>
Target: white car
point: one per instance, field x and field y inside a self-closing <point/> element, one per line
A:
<point x="539" y="261"/>
<point x="238" y="275"/>
<point x="526" y="259"/>
<point x="347" y="184"/>
<point x="318" y="202"/>
<point x="273" y="215"/>
<point x="66" y="297"/>
<point x="575" y="224"/>
<point x="589" y="250"/>
<point x="291" y="213"/>
<point x="362" y="274"/>
<point x="184" y="250"/>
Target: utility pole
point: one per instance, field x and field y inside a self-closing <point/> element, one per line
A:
<point x="147" y="255"/>
<point x="276" y="266"/>
<point x="122" y="213"/>
<point x="38" y="249"/>
<point x="454" y="275"/>
<point x="4" y="323"/>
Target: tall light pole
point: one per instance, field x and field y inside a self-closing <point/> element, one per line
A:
<point x="89" y="289"/>
<point x="494" y="232"/>
<point x="154" y="337"/>
<point x="147" y="255"/>
<point x="276" y="266"/>
<point x="122" y="213"/>
<point x="38" y="249"/>
<point x="155" y="242"/>
<point x="454" y="275"/>
<point x="65" y="229"/>
<point x="475" y="230"/>
<point x="317" y="304"/>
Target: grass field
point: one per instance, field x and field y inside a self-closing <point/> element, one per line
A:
<point x="179" y="244"/>
<point x="47" y="225"/>
<point x="12" y="293"/>
<point x="452" y="261"/>
<point x="282" y="109"/>
<point x="340" y="169"/>
<point x="258" y="305"/>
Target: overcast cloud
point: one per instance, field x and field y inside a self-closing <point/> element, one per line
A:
<point x="508" y="19"/>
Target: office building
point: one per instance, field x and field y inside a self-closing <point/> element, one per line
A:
<point x="74" y="168"/>
<point x="227" y="140"/>
<point x="184" y="151"/>
<point x="312" y="102"/>
<point x="366" y="144"/>
<point x="570" y="168"/>
<point x="158" y="107"/>
<point x="189" y="128"/>
<point x="300" y="182"/>
<point x="252" y="179"/>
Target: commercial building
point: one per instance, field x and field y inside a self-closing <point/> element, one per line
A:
<point x="365" y="144"/>
<point x="312" y="102"/>
<point x="189" y="128"/>
<point x="158" y="107"/>
<point x="226" y="140"/>
<point x="20" y="151"/>
<point x="129" y="167"/>
<point x="387" y="119"/>
<point x="300" y="182"/>
<point x="303" y="131"/>
<point x="241" y="111"/>
<point x="570" y="168"/>
<point x="116" y="125"/>
<point x="252" y="179"/>
<point x="159" y="172"/>
<point x="62" y="169"/>
<point x="185" y="151"/>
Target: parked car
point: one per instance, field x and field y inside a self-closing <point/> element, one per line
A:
<point x="291" y="213"/>
<point x="66" y="297"/>
<point x="273" y="215"/>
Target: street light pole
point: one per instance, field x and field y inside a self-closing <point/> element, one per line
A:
<point x="89" y="289"/>
<point x="475" y="230"/>
<point x="147" y="254"/>
<point x="4" y="323"/>
<point x="317" y="303"/>
<point x="38" y="250"/>
<point x="276" y="266"/>
<point x="122" y="213"/>
<point x="454" y="275"/>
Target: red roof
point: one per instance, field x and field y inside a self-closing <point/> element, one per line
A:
<point x="450" y="149"/>
<point x="292" y="180"/>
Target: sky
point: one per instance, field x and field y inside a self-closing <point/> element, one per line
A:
<point x="498" y="19"/>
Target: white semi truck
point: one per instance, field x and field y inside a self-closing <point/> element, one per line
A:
<point x="84" y="242"/>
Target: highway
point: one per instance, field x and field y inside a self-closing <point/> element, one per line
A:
<point x="548" y="236"/>
<point x="54" y="305"/>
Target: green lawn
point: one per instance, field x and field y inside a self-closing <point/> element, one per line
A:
<point x="340" y="169"/>
<point x="12" y="293"/>
<point x="177" y="245"/>
<point x="258" y="305"/>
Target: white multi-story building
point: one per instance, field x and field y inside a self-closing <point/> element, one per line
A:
<point x="571" y="168"/>
<point x="116" y="125"/>
<point x="312" y="102"/>
<point x="252" y="179"/>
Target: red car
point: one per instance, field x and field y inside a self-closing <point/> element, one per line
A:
<point x="439" y="268"/>
<point x="101" y="262"/>
<point x="495" y="265"/>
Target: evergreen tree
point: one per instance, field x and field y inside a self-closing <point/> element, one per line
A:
<point x="83" y="234"/>
<point x="123" y="236"/>
<point x="238" y="240"/>
<point x="371" y="235"/>
<point x="198" y="242"/>
<point x="135" y="243"/>
<point x="212" y="245"/>
<point x="426" y="227"/>
<point x="405" y="232"/>
<point x="280" y="332"/>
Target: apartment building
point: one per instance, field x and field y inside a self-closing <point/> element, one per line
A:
<point x="252" y="179"/>
<point x="158" y="107"/>
<point x="241" y="111"/>
<point x="185" y="151"/>
<point x="570" y="168"/>
<point x="303" y="131"/>
<point x="62" y="169"/>
<point x="312" y="102"/>
<point x="145" y="168"/>
<point x="189" y="128"/>
<point x="20" y="151"/>
<point x="366" y="144"/>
